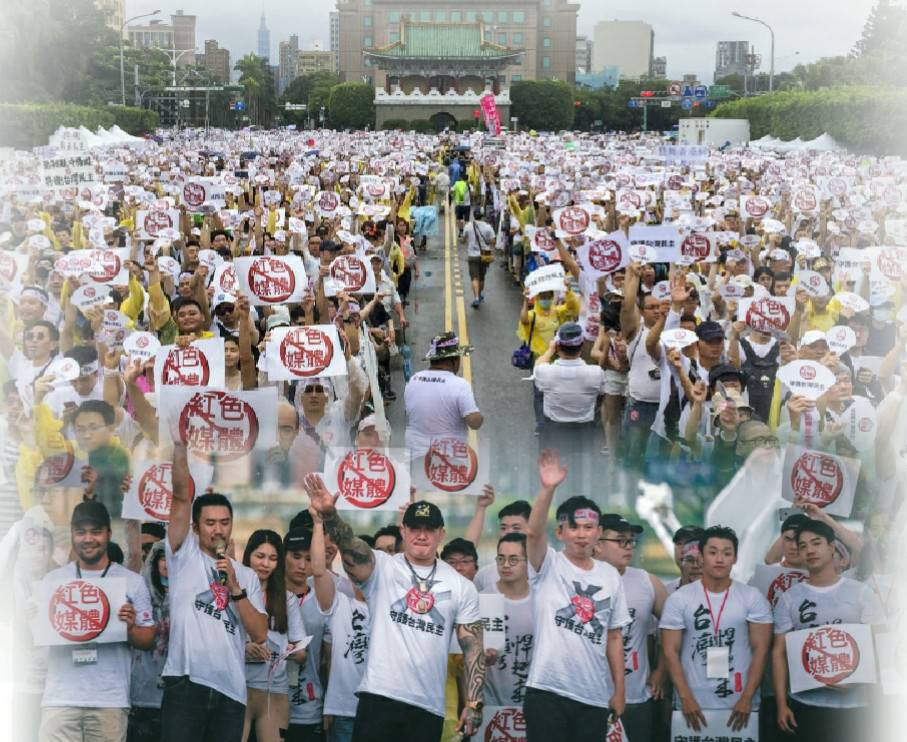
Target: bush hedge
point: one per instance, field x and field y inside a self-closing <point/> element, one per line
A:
<point x="26" y="125"/>
<point x="351" y="105"/>
<point x="395" y="124"/>
<point x="865" y="119"/>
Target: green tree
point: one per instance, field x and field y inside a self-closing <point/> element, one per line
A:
<point x="884" y="30"/>
<point x="313" y="90"/>
<point x="545" y="105"/>
<point x="258" y="94"/>
<point x="351" y="105"/>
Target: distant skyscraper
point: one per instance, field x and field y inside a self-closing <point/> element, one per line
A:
<point x="335" y="38"/>
<point x="264" y="39"/>
<point x="730" y="58"/>
<point x="627" y="44"/>
<point x="659" y="67"/>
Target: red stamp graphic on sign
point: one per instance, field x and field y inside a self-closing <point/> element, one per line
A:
<point x="156" y="491"/>
<point x="8" y="267"/>
<point x="817" y="478"/>
<point x="573" y="220"/>
<point x="155" y="221"/>
<point x="696" y="246"/>
<point x="830" y="655"/>
<point x="350" y="272"/>
<point x="228" y="280"/>
<point x="629" y="200"/>
<point x="807" y="373"/>
<point x="805" y="200"/>
<point x="194" y="194"/>
<point x="375" y="190"/>
<point x="507" y="725"/>
<point x="782" y="583"/>
<point x="605" y="255"/>
<point x="675" y="183"/>
<point x="328" y="201"/>
<point x="272" y="280"/>
<point x="104" y="266"/>
<point x="186" y="367"/>
<point x="54" y="469"/>
<point x="219" y="424"/>
<point x="889" y="263"/>
<point x="545" y="241"/>
<point x="79" y="611"/>
<point x="837" y="186"/>
<point x="767" y="314"/>
<point x="366" y="478"/>
<point x="757" y="207"/>
<point x="451" y="465"/>
<point x="306" y="351"/>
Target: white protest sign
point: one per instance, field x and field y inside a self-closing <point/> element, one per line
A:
<point x="113" y="328"/>
<point x="546" y="278"/>
<point x="886" y="262"/>
<point x="304" y="352"/>
<point x="699" y="247"/>
<point x="896" y="231"/>
<point x="773" y="580"/>
<point x="168" y="265"/>
<point x="224" y="280"/>
<point x="115" y="171"/>
<point x="368" y="478"/>
<point x="805" y="200"/>
<point x="451" y="465"/>
<point x="754" y="207"/>
<point x="87" y="296"/>
<point x="823" y="479"/>
<point x="198" y="191"/>
<point x="716" y="727"/>
<point x="327" y="203"/>
<point x="65" y="172"/>
<point x="78" y="610"/>
<point x="812" y="283"/>
<point x="12" y="267"/>
<point x="678" y="338"/>
<point x="142" y="345"/>
<point x="150" y="492"/>
<point x="662" y="241"/>
<point x="629" y="201"/>
<point x="832" y="655"/>
<point x="63" y="370"/>
<point x="769" y="314"/>
<point x="60" y="470"/>
<point x="101" y="266"/>
<point x="861" y="424"/>
<point x="684" y="153"/>
<point x="351" y="274"/>
<point x="269" y="280"/>
<point x="225" y="425"/>
<point x="491" y="608"/>
<point x="541" y="240"/>
<point x="841" y="338"/>
<point x="153" y="222"/>
<point x="502" y="724"/>
<point x="201" y="363"/>
<point x="571" y="221"/>
<point x="853" y="302"/>
<point x="807" y="378"/>
<point x="605" y="254"/>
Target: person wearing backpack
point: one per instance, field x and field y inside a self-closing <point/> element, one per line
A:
<point x="479" y="236"/>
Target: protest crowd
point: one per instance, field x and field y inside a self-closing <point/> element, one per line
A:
<point x="206" y="313"/>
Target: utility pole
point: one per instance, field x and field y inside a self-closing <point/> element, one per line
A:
<point x="122" y="66"/>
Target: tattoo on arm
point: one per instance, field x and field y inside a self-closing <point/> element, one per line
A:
<point x="470" y="638"/>
<point x="350" y="545"/>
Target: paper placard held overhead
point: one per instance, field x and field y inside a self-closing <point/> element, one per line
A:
<point x="368" y="478"/>
<point x="820" y="478"/>
<point x="546" y="278"/>
<point x="304" y="352"/>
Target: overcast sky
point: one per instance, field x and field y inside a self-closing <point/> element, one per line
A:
<point x="685" y="32"/>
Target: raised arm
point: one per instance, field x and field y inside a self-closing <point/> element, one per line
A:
<point x="181" y="506"/>
<point x="629" y="312"/>
<point x="324" y="581"/>
<point x="551" y="474"/>
<point x="477" y="524"/>
<point x="356" y="555"/>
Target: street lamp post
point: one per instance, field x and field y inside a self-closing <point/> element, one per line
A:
<point x="122" y="66"/>
<point x="771" y="71"/>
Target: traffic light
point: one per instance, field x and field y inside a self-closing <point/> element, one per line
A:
<point x="647" y="93"/>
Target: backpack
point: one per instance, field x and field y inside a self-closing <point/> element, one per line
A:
<point x="760" y="377"/>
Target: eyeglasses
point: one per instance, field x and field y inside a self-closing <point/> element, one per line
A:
<point x="314" y="389"/>
<point x="510" y="561"/>
<point x="762" y="441"/>
<point x="465" y="561"/>
<point x="625" y="543"/>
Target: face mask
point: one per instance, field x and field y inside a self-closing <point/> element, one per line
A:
<point x="546" y="303"/>
<point x="165" y="581"/>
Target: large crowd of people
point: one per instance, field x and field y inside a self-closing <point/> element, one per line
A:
<point x="209" y="312"/>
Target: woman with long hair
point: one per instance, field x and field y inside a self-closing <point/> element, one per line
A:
<point x="267" y="705"/>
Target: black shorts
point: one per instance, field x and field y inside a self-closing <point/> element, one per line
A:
<point x="476" y="269"/>
<point x="462" y="212"/>
<point x="553" y="717"/>
<point x="380" y="719"/>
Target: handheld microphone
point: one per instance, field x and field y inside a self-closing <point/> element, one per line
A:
<point x="220" y="549"/>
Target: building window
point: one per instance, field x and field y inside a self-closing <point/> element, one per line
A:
<point x="367" y="42"/>
<point x="471" y="16"/>
<point x="516" y="78"/>
<point x="546" y="22"/>
<point x="440" y="15"/>
<point x="366" y="21"/>
<point x="546" y="62"/>
<point x="394" y="16"/>
<point x="503" y="16"/>
<point x="393" y="37"/>
<point x="424" y="15"/>
<point x="456" y="16"/>
<point x="519" y="16"/>
<point x="518" y="37"/>
<point x="488" y="16"/>
<point x="489" y="35"/>
<point x="502" y="38"/>
<point x="546" y="42"/>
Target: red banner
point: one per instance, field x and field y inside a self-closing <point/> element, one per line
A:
<point x="490" y="110"/>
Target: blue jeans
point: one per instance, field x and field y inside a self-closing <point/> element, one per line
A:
<point x="341" y="729"/>
<point x="196" y="713"/>
<point x="638" y="419"/>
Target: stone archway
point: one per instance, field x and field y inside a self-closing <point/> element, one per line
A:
<point x="443" y="120"/>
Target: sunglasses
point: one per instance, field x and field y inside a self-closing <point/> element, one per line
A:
<point x="314" y="389"/>
<point x="224" y="309"/>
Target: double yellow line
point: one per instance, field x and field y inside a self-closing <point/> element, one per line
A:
<point x="453" y="286"/>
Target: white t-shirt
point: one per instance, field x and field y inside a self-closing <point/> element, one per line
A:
<point x="644" y="376"/>
<point x="574" y="610"/>
<point x="207" y="643"/>
<point x="105" y="683"/>
<point x="486" y="578"/>
<point x="687" y="610"/>
<point x="408" y="649"/>
<point x="67" y="394"/>
<point x="486" y="232"/>
<point x="773" y="580"/>
<point x="436" y="403"/>
<point x="640" y="597"/>
<point x="505" y="680"/>
<point x="805" y="606"/>
<point x="306" y="693"/>
<point x="271" y="676"/>
<point x="571" y="388"/>
<point x="348" y="621"/>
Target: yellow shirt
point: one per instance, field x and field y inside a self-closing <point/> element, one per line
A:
<point x="547" y="322"/>
<point x="823" y="321"/>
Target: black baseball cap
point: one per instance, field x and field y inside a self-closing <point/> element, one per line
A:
<point x="90" y="511"/>
<point x="423" y="513"/>
<point x="709" y="330"/>
<point x="723" y="371"/>
<point x="794" y="522"/>
<point x="615" y="522"/>
<point x="297" y="539"/>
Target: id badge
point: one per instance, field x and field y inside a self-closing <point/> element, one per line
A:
<point x="717" y="663"/>
<point x="87" y="655"/>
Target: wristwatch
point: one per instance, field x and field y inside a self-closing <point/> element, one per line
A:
<point x="239" y="596"/>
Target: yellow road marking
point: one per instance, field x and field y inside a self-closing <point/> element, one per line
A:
<point x="448" y="297"/>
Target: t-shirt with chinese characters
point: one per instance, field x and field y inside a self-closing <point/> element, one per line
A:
<point x="306" y="691"/>
<point x="505" y="679"/>
<point x="105" y="683"/>
<point x="640" y="596"/>
<point x="348" y="621"/>
<point x="436" y="403"/>
<point x="574" y="610"/>
<point x="207" y="636"/>
<point x="411" y="630"/>
<point x="271" y="676"/>
<point x="687" y="610"/>
<point x="807" y="606"/>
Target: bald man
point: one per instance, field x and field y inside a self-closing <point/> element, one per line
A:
<point x="273" y="466"/>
